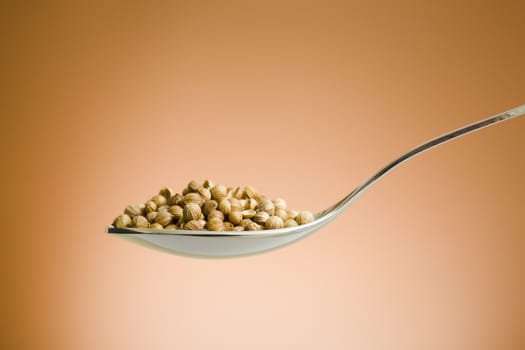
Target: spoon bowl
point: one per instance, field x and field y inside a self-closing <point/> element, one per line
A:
<point x="212" y="244"/>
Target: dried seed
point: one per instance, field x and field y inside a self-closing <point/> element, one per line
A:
<point x="150" y="206"/>
<point x="274" y="222"/>
<point x="151" y="216"/>
<point x="176" y="211"/>
<point x="134" y="210"/>
<point x="261" y="217"/>
<point x="193" y="225"/>
<point x="159" y="200"/>
<point x="267" y="206"/>
<point x="122" y="221"/>
<point x="248" y="214"/>
<point x="215" y="224"/>
<point x="218" y="192"/>
<point x="279" y="203"/>
<point x="283" y="214"/>
<point x="225" y="206"/>
<point x="215" y="214"/>
<point x="164" y="218"/>
<point x="208" y="206"/>
<point x="193" y="197"/>
<point x="290" y="223"/>
<point x="166" y="192"/>
<point x="140" y="222"/>
<point x="191" y="212"/>
<point x="235" y="217"/>
<point x="304" y="217"/>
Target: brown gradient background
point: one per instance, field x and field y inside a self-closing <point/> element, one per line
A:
<point x="102" y="103"/>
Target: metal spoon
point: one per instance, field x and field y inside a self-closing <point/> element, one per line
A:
<point x="229" y="244"/>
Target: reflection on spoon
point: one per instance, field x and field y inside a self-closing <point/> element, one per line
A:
<point x="229" y="244"/>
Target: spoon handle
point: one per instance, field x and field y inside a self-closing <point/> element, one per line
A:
<point x="345" y="202"/>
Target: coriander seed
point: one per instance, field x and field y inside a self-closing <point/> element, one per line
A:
<point x="191" y="212"/>
<point x="274" y="222"/>
<point x="290" y="223"/>
<point x="122" y="221"/>
<point x="209" y="206"/>
<point x="304" y="217"/>
<point x="164" y="218"/>
<point x="218" y="192"/>
<point x="140" y="222"/>
<point x="235" y="217"/>
<point x="261" y="217"/>
<point x="159" y="200"/>
<point x="151" y="216"/>
<point x="215" y="224"/>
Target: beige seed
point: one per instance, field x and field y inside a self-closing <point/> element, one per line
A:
<point x="159" y="200"/>
<point x="176" y="199"/>
<point x="140" y="222"/>
<point x="164" y="218"/>
<point x="193" y="198"/>
<point x="208" y="184"/>
<point x="235" y="217"/>
<point x="304" y="217"/>
<point x="235" y="204"/>
<point x="193" y="186"/>
<point x="261" y="217"/>
<point x="134" y="210"/>
<point x="267" y="206"/>
<point x="122" y="221"/>
<point x="215" y="224"/>
<point x="156" y="225"/>
<point x="166" y="192"/>
<point x="171" y="227"/>
<point x="238" y="193"/>
<point x="163" y="208"/>
<point x="283" y="214"/>
<point x="238" y="228"/>
<point x="205" y="193"/>
<point x="150" y="206"/>
<point x="274" y="222"/>
<point x="208" y="206"/>
<point x="248" y="214"/>
<point x="216" y="214"/>
<point x="290" y="223"/>
<point x="151" y="216"/>
<point x="193" y="225"/>
<point x="218" y="192"/>
<point x="292" y="214"/>
<point x="250" y="192"/>
<point x="252" y="204"/>
<point x="225" y="206"/>
<point x="279" y="203"/>
<point x="252" y="226"/>
<point x="245" y="222"/>
<point x="191" y="212"/>
<point x="176" y="211"/>
<point x="228" y="226"/>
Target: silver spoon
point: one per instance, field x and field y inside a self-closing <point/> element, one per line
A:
<point x="229" y="244"/>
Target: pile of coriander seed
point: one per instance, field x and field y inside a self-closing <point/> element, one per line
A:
<point x="212" y="207"/>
